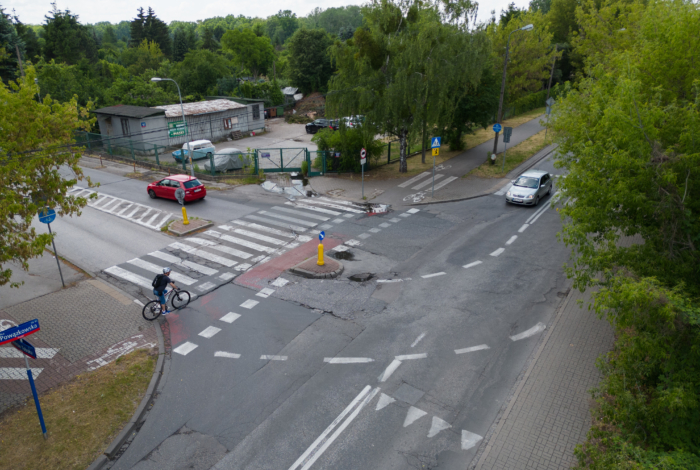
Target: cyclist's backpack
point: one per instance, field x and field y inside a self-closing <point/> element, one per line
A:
<point x="156" y="280"/>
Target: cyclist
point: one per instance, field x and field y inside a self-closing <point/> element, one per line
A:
<point x="160" y="283"/>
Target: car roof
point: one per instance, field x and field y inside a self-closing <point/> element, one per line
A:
<point x="197" y="142"/>
<point x="181" y="178"/>
<point x="534" y="173"/>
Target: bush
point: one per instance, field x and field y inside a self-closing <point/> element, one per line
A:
<point x="305" y="168"/>
<point x="349" y="143"/>
<point x="297" y="119"/>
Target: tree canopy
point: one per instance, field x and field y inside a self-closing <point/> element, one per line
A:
<point x="309" y="61"/>
<point x="249" y="51"/>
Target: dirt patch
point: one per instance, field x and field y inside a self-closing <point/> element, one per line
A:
<point x="312" y="106"/>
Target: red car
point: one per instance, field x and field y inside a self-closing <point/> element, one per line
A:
<point x="166" y="188"/>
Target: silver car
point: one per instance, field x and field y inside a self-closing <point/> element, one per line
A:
<point x="529" y="188"/>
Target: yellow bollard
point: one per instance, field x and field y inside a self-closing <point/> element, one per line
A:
<point x="320" y="255"/>
<point x="184" y="216"/>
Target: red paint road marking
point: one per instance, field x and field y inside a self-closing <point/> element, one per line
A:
<point x="177" y="330"/>
<point x="260" y="276"/>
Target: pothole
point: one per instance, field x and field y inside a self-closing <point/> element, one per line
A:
<point x="362" y="277"/>
<point x="346" y="255"/>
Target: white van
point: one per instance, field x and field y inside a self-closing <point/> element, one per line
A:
<point x="200" y="149"/>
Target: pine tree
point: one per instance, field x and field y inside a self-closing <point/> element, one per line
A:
<point x="180" y="46"/>
<point x="208" y="41"/>
<point x="9" y="38"/>
<point x="137" y="29"/>
<point x="156" y="30"/>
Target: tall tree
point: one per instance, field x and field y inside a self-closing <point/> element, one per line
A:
<point x="148" y="26"/>
<point x="199" y="72"/>
<point x="137" y="28"/>
<point x="180" y="45"/>
<point x="66" y="40"/>
<point x="208" y="41"/>
<point x="250" y="52"/>
<point x="10" y="41"/>
<point x="281" y="26"/>
<point x="29" y="38"/>
<point x="309" y="62"/>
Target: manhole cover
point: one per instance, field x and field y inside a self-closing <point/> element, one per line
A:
<point x="361" y="277"/>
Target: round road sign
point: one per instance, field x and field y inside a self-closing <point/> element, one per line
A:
<point x="497" y="127"/>
<point x="47" y="216"/>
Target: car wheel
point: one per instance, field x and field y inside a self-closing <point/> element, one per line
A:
<point x="537" y="200"/>
<point x="152" y="194"/>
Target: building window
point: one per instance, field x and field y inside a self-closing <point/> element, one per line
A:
<point x="256" y="111"/>
<point x="125" y="127"/>
<point x="229" y="122"/>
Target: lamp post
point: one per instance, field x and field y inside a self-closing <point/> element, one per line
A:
<point x="528" y="27"/>
<point x="182" y="108"/>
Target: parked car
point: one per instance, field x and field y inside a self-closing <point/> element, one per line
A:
<point x="529" y="188"/>
<point x="166" y="188"/>
<point x="353" y="121"/>
<point x="228" y="159"/>
<point x="318" y="124"/>
<point x="200" y="149"/>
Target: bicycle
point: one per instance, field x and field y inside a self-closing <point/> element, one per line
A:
<point x="152" y="309"/>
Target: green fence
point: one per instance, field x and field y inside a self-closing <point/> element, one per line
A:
<point x="280" y="160"/>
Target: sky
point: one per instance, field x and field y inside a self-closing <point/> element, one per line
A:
<point x="94" y="11"/>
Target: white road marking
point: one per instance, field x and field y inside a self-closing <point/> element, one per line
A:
<point x="445" y="182"/>
<point x="203" y="254"/>
<point x="348" y="216"/>
<point x="273" y="358"/>
<point x="189" y="264"/>
<point x="388" y="281"/>
<point x="240" y="241"/>
<point x="471" y="349"/>
<point x="427" y="182"/>
<point x="498" y="252"/>
<point x="177" y="277"/>
<point x="288" y="219"/>
<point x="258" y="227"/>
<point x="384" y="401"/>
<point x="338" y="221"/>
<point x="408" y="357"/>
<point x="395" y="219"/>
<point x="385" y="225"/>
<point x="471" y="265"/>
<point x="129" y="276"/>
<point x="511" y="240"/>
<point x="206" y="286"/>
<point x="375" y="230"/>
<point x="227" y="276"/>
<point x="420" y="337"/>
<point x="413" y="211"/>
<point x="248" y="233"/>
<point x="413" y="415"/>
<point x="226" y="354"/>
<point x="353" y="243"/>
<point x="209" y="331"/>
<point x="537" y="212"/>
<point x="532" y="331"/>
<point x="41" y="353"/>
<point x="265" y="293"/>
<point x="243" y="267"/>
<point x="250" y="303"/>
<point x="389" y="370"/>
<point x="296" y="228"/>
<point x="415" y="179"/>
<point x="333" y="205"/>
<point x="185" y="348"/>
<point x="540" y="214"/>
<point x="138" y="302"/>
<point x="303" y="214"/>
<point x="469" y="439"/>
<point x="405" y="214"/>
<point x="437" y="426"/>
<point x="433" y="275"/>
<point x="347" y="360"/>
<point x="364" y="236"/>
<point x="339" y="248"/>
<point x="315" y="209"/>
<point x="279" y="282"/>
<point x="522" y="229"/>
<point x="230" y="317"/>
<point x="18" y="373"/>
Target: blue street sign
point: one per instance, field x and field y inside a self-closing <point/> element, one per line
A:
<point x="47" y="216"/>
<point x="436" y="142"/>
<point x="321" y="236"/>
<point x="25" y="346"/>
<point x="497" y="127"/>
<point x="20" y="331"/>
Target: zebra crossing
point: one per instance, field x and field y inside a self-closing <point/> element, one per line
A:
<point x="208" y="259"/>
<point x="132" y="211"/>
<point x="427" y="174"/>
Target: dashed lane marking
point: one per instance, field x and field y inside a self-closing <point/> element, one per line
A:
<point x="531" y="332"/>
<point x="209" y="331"/>
<point x="433" y="275"/>
<point x="472" y="264"/>
<point x="273" y="358"/>
<point x="226" y="354"/>
<point x="471" y="349"/>
<point x="413" y="211"/>
<point x="353" y="243"/>
<point x="185" y="348"/>
<point x="408" y="357"/>
<point x="230" y="317"/>
<point x="498" y="252"/>
<point x="391" y="368"/>
<point x="265" y="293"/>
<point x="279" y="282"/>
<point x="347" y="360"/>
<point x="511" y="240"/>
<point x="375" y="230"/>
<point x="250" y="303"/>
<point x="522" y="229"/>
<point x="420" y="337"/>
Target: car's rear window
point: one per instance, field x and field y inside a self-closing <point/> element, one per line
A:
<point x="192" y="183"/>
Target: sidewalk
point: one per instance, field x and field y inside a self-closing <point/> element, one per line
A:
<point x="83" y="327"/>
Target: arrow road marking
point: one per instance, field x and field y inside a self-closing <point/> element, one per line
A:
<point x="389" y="370"/>
<point x="532" y="331"/>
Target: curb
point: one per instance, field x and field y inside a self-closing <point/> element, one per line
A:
<point x="313" y="275"/>
<point x="191" y="230"/>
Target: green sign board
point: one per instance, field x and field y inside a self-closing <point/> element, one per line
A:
<point x="177" y="129"/>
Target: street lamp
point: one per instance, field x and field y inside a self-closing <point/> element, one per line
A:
<point x="182" y="108"/>
<point x="528" y="27"/>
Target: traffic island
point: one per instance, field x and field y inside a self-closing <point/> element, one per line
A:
<point x="178" y="228"/>
<point x="310" y="269"/>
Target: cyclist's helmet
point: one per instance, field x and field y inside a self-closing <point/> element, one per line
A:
<point x="166" y="270"/>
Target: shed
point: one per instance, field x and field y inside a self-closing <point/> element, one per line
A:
<point x="137" y="126"/>
<point x="289" y="93"/>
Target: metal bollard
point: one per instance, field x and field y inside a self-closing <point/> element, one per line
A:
<point x="184" y="216"/>
<point x="320" y="255"/>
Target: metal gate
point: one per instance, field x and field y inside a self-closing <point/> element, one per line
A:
<point x="280" y="160"/>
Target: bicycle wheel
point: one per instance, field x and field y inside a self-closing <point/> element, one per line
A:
<point x="180" y="299"/>
<point x="151" y="310"/>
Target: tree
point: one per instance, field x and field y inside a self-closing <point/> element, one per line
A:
<point x="66" y="40"/>
<point x="180" y="45"/>
<point x="199" y="72"/>
<point x="281" y="26"/>
<point x="29" y="38"/>
<point x="137" y="91"/>
<point x="147" y="56"/>
<point x="541" y="5"/>
<point x="34" y="150"/>
<point x="251" y="52"/>
<point x="208" y="41"/>
<point x="151" y="28"/>
<point x="309" y="62"/>
<point x="562" y="19"/>
<point x="9" y="42"/>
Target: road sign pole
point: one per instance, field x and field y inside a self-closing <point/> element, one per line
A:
<point x="504" y="156"/>
<point x="56" y="253"/>
<point x="432" y="194"/>
<point x="36" y="398"/>
<point x="363" y="181"/>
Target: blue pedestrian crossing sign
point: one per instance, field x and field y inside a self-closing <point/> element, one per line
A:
<point x="436" y="142"/>
<point x="497" y="127"/>
<point x="321" y="236"/>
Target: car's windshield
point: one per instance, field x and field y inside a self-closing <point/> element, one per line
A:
<point x="192" y="183"/>
<point x="527" y="182"/>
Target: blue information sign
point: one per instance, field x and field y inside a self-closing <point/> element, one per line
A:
<point x="25" y="346"/>
<point x="497" y="127"/>
<point x="47" y="216"/>
<point x="20" y="331"/>
<point x="321" y="236"/>
<point x="435" y="142"/>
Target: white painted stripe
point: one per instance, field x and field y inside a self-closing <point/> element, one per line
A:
<point x="129" y="276"/>
<point x="420" y="337"/>
<point x="162" y="221"/>
<point x="288" y="219"/>
<point x="265" y="293"/>
<point x="385" y="225"/>
<point x="327" y="431"/>
<point x="389" y="370"/>
<point x="471" y="349"/>
<point x="472" y="264"/>
<point x="315" y="209"/>
<point x="138" y="302"/>
<point x="427" y="182"/>
<point x="364" y="236"/>
<point x="498" y="252"/>
<point x="259" y="227"/>
<point x="296" y="228"/>
<point x="273" y="358"/>
<point x="124" y="210"/>
<point x="279" y="282"/>
<point x="433" y="275"/>
<point x="230" y="317"/>
<point x="18" y="373"/>
<point x="248" y="233"/>
<point x="209" y="331"/>
<point x="395" y="220"/>
<point x="300" y="213"/>
<point x="445" y="182"/>
<point x="41" y="353"/>
<point x="408" y="357"/>
<point x="227" y="276"/>
<point x="240" y="241"/>
<point x="413" y="210"/>
<point x="177" y="277"/>
<point x="412" y="415"/>
<point x="522" y="229"/>
<point x="408" y="183"/>
<point x="333" y="205"/>
<point x="353" y="243"/>
<point x="537" y="212"/>
<point x="511" y="240"/>
<point x="384" y="401"/>
<point x="375" y="230"/>
<point x="527" y="333"/>
<point x="185" y="348"/>
<point x="203" y="254"/>
<point x="339" y="248"/>
<point x="347" y="360"/>
<point x="250" y="303"/>
<point x="348" y="216"/>
<point x="540" y="214"/>
<point x="150" y="221"/>
<point x="201" y="241"/>
<point x="340" y="429"/>
<point x="231" y="251"/>
<point x="226" y="354"/>
<point x="130" y="214"/>
<point x="388" y="281"/>
<point x="189" y="264"/>
<point x="205" y="287"/>
<point x="139" y="220"/>
<point x="437" y="426"/>
<point x="469" y="439"/>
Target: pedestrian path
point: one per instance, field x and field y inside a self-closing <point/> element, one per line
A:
<point x="208" y="259"/>
<point x="424" y="183"/>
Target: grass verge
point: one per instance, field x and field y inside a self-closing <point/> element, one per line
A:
<point x="482" y="135"/>
<point x="82" y="416"/>
<point x="514" y="157"/>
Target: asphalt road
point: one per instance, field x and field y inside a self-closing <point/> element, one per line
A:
<point x="344" y="375"/>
